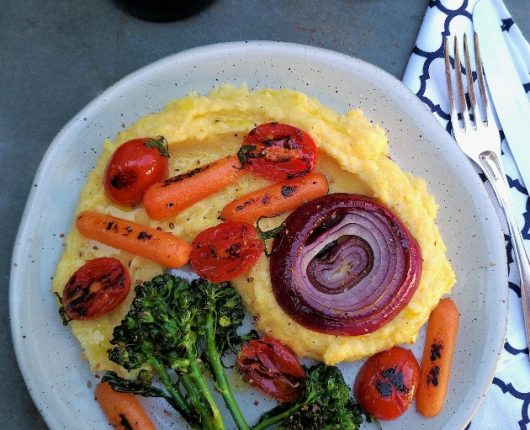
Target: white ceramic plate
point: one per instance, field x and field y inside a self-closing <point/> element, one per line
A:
<point x="49" y="357"/>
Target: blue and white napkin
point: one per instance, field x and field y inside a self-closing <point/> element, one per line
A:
<point x="507" y="402"/>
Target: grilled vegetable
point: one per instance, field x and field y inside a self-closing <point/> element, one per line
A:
<point x="181" y="330"/>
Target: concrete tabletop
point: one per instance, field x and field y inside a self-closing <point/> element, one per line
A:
<point x="56" y="56"/>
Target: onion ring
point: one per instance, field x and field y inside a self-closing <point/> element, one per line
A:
<point x="344" y="265"/>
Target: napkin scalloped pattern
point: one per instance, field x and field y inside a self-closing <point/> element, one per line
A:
<point x="507" y="403"/>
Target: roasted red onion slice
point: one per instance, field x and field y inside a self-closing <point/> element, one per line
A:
<point x="344" y="265"/>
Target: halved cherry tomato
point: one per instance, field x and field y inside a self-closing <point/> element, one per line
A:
<point x="135" y="166"/>
<point x="386" y="384"/>
<point x="222" y="252"/>
<point x="96" y="288"/>
<point x="273" y="368"/>
<point x="278" y="151"/>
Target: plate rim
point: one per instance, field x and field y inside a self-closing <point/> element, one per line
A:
<point x="237" y="47"/>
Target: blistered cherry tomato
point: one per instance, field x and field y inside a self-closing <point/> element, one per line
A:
<point x="222" y="252"/>
<point x="386" y="384"/>
<point x="135" y="166"/>
<point x="278" y="151"/>
<point x="95" y="289"/>
<point x="273" y="368"/>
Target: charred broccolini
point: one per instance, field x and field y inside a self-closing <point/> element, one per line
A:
<point x="325" y="404"/>
<point x="173" y="328"/>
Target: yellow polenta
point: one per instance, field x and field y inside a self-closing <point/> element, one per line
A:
<point x="353" y="156"/>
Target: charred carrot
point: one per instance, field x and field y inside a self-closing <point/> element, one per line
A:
<point x="168" y="198"/>
<point x="276" y="199"/>
<point x="440" y="344"/>
<point x="123" y="410"/>
<point x="160" y="246"/>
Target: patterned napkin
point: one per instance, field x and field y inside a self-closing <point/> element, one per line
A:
<point x="507" y="402"/>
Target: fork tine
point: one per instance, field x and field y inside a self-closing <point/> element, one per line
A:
<point x="450" y="93"/>
<point x="458" y="76"/>
<point x="460" y="87"/>
<point x="470" y="86"/>
<point x="448" y="76"/>
<point x="480" y="76"/>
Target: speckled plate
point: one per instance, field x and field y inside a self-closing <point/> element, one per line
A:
<point x="50" y="359"/>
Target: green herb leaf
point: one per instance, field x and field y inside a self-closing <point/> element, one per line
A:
<point x="244" y="154"/>
<point x="268" y="234"/>
<point x="62" y="312"/>
<point x="160" y="144"/>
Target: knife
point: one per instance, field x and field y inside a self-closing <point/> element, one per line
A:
<point x="506" y="89"/>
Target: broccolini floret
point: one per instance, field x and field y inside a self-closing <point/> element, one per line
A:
<point x="325" y="404"/>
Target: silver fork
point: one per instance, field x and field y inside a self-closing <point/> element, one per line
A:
<point x="480" y="141"/>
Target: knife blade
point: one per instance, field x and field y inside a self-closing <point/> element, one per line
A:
<point x="505" y="86"/>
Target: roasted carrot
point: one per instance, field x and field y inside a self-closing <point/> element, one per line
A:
<point x="276" y="199"/>
<point x="168" y="198"/>
<point x="160" y="246"/>
<point x="440" y="344"/>
<point x="123" y="410"/>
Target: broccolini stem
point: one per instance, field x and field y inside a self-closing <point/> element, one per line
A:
<point x="196" y="400"/>
<point x="277" y="418"/>
<point x="184" y="408"/>
<point x="220" y="376"/>
<point x="198" y="379"/>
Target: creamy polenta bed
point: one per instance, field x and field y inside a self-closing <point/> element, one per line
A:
<point x="339" y="256"/>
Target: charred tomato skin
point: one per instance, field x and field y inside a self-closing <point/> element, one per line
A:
<point x="95" y="289"/>
<point x="278" y="151"/>
<point x="387" y="383"/>
<point x="222" y="252"/>
<point x="273" y="368"/>
<point x="133" y="168"/>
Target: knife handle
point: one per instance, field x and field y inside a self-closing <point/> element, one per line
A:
<point x="490" y="163"/>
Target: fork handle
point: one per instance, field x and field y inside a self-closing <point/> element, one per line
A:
<point x="493" y="170"/>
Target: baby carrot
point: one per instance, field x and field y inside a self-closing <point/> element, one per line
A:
<point x="160" y="246"/>
<point x="168" y="198"/>
<point x="275" y="199"/>
<point x="123" y="410"/>
<point x="440" y="344"/>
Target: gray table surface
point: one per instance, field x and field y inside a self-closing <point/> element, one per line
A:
<point x="56" y="56"/>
